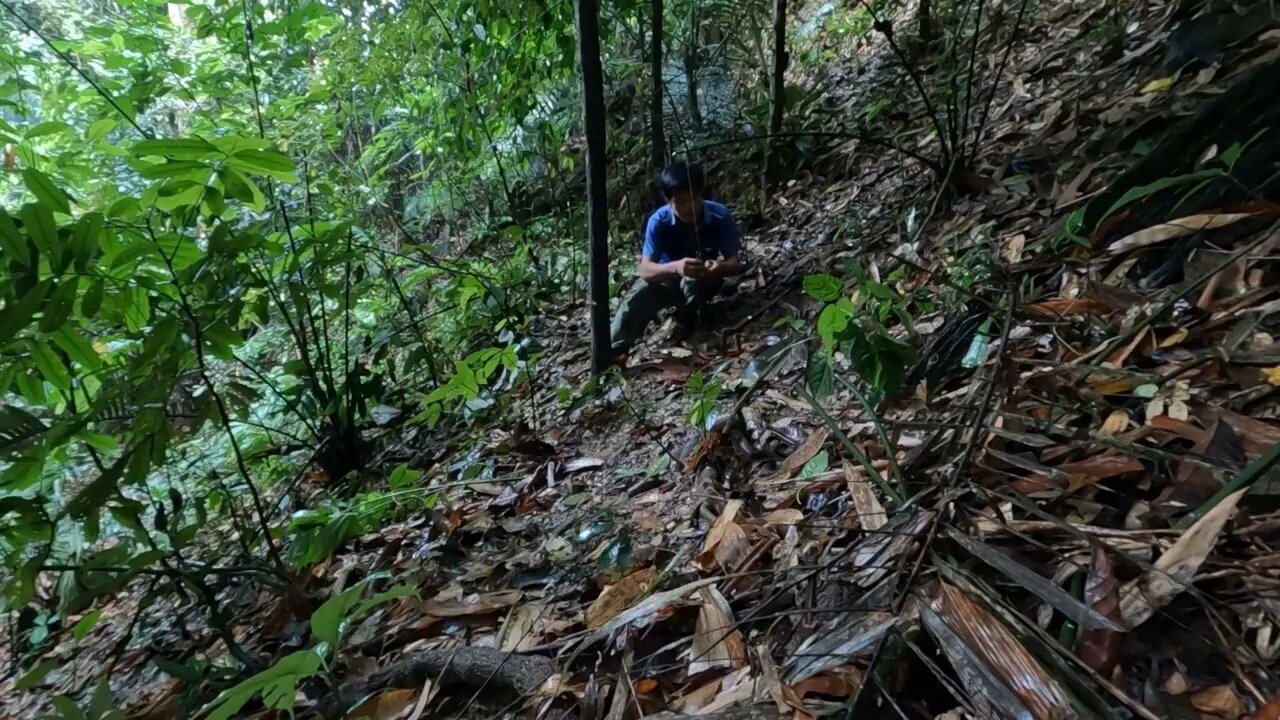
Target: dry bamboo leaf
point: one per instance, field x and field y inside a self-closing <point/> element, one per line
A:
<point x="1173" y="229"/>
<point x="991" y="662"/>
<point x="734" y="690"/>
<point x="697" y="698"/>
<point x="1066" y="307"/>
<point x="518" y="631"/>
<point x="617" y="597"/>
<point x="769" y="672"/>
<point x="716" y="642"/>
<point x="482" y="604"/>
<point x="1221" y="701"/>
<point x="386" y="705"/>
<point x="1086" y="472"/>
<point x="871" y="513"/>
<point x="721" y="525"/>
<point x="1177" y="567"/>
<point x="803" y="454"/>
<point x="1099" y="648"/>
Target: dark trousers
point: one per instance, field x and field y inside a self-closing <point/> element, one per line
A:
<point x="646" y="299"/>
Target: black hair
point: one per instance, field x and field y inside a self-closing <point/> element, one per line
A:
<point x="681" y="177"/>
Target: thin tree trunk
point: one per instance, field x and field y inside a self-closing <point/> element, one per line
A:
<point x="593" y="119"/>
<point x="656" y="131"/>
<point x="924" y="25"/>
<point x="777" y="89"/>
<point x="691" y="68"/>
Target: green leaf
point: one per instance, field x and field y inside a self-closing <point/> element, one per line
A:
<point x="823" y="287"/>
<point x="817" y="465"/>
<point x="99" y="129"/>
<point x="67" y="708"/>
<point x="176" y="669"/>
<point x="93" y="496"/>
<point x="402" y="478"/>
<point x="12" y="242"/>
<point x="819" y="375"/>
<point x="1144" y="191"/>
<point x="36" y="675"/>
<point x="85" y="625"/>
<point x="46" y="191"/>
<point x="834" y="321"/>
<point x="187" y="169"/>
<point x="50" y="365"/>
<point x="176" y="148"/>
<point x="265" y="162"/>
<point x="77" y="347"/>
<point x="275" y="682"/>
<point x="189" y="195"/>
<point x="60" y="304"/>
<point x="14" y="317"/>
<point x="85" y="239"/>
<point x="138" y="311"/>
<point x="53" y="127"/>
<point x="91" y="301"/>
<point x="38" y="221"/>
<point x="242" y="188"/>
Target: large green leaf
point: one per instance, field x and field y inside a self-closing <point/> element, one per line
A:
<point x="12" y="241"/>
<point x="52" y="127"/>
<point x="177" y="148"/>
<point x="138" y="310"/>
<point x="85" y="239"/>
<point x="242" y="188"/>
<point x="99" y="129"/>
<point x="46" y="191"/>
<point x="15" y="317"/>
<point x="50" y="365"/>
<point x="60" y="304"/>
<point x="265" y="162"/>
<point x="821" y="286"/>
<point x="76" y="347"/>
<point x="91" y="301"/>
<point x="38" y="221"/>
<point x="188" y="169"/>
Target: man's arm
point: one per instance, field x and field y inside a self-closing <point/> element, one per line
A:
<point x="730" y="244"/>
<point x="651" y="271"/>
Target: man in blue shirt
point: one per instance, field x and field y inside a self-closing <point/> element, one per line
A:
<point x="690" y="247"/>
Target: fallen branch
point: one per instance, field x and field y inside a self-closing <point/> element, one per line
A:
<point x="507" y="675"/>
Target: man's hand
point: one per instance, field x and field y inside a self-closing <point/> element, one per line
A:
<point x="691" y="268"/>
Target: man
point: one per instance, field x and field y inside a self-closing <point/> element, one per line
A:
<point x="690" y="247"/>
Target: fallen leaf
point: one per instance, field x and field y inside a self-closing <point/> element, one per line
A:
<point x="619" y="596"/>
<point x="472" y="605"/>
<point x="644" y="686"/>
<point x="871" y="514"/>
<point x="784" y="516"/>
<point x="782" y="695"/>
<point x="1013" y="248"/>
<point x="803" y="454"/>
<point x="730" y="552"/>
<point x="1001" y="677"/>
<point x="721" y="525"/>
<point x="1174" y="338"/>
<point x="518" y="632"/>
<point x="1173" y="229"/>
<point x="1066" y="307"/>
<point x="1071" y="190"/>
<point x="1083" y="473"/>
<point x="1273" y="375"/>
<point x="697" y="698"/>
<point x="1177" y="567"/>
<point x="1219" y="700"/>
<point x="1270" y="711"/>
<point x="1099" y="647"/>
<point x="1116" y="423"/>
<point x="1157" y="85"/>
<point x="385" y="705"/>
<point x="716" y="641"/>
<point x="583" y="463"/>
<point x="839" y="683"/>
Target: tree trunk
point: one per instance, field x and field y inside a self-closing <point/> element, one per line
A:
<point x="691" y="68"/>
<point x="593" y="120"/>
<point x="656" y="131"/>
<point x="924" y="25"/>
<point x="777" y="88"/>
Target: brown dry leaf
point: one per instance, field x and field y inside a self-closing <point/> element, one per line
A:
<point x="784" y="516"/>
<point x="1220" y="701"/>
<point x="1181" y="428"/>
<point x="1177" y="567"/>
<point x="386" y="705"/>
<point x="1001" y="677"/>
<point x="1174" y="229"/>
<point x="803" y="454"/>
<point x="1066" y="307"/>
<point x="721" y="525"/>
<point x="716" y="642"/>
<point x="1014" y="246"/>
<point x="697" y="698"/>
<point x="871" y="513"/>
<point x="1270" y="711"/>
<point x="482" y="604"/>
<point x="1258" y="435"/>
<point x="619" y="596"/>
<point x="732" y="550"/>
<point x="519" y="631"/>
<point x="1083" y="473"/>
<point x="1099" y="647"/>
<point x="1071" y="190"/>
<point x="781" y="694"/>
<point x="1116" y="423"/>
<point x="840" y="682"/>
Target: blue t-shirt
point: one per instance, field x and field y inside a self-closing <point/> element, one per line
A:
<point x="715" y="235"/>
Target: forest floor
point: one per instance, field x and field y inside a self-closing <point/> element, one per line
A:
<point x="1048" y="534"/>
